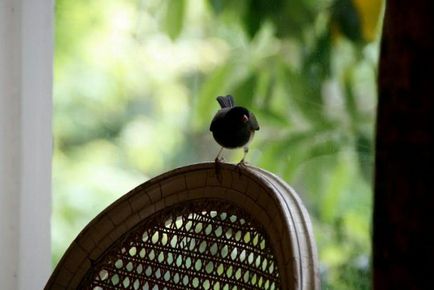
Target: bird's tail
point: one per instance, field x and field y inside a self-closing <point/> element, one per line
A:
<point x="226" y="102"/>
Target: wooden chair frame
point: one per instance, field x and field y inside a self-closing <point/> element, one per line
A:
<point x="261" y="194"/>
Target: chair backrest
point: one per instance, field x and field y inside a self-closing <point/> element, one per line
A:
<point x="203" y="226"/>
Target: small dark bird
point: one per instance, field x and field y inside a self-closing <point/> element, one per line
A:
<point x="233" y="126"/>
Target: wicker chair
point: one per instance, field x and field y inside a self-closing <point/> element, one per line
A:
<point x="196" y="227"/>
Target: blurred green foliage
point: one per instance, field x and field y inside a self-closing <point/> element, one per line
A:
<point x="135" y="88"/>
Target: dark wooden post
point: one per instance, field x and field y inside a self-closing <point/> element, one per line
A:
<point x="403" y="244"/>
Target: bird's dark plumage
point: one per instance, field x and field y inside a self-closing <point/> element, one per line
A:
<point x="233" y="126"/>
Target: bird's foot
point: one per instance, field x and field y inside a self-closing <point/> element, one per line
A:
<point x="217" y="166"/>
<point x="242" y="165"/>
<point x="219" y="159"/>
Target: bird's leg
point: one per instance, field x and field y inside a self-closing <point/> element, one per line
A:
<point x="218" y="158"/>
<point x="243" y="162"/>
<point x="217" y="162"/>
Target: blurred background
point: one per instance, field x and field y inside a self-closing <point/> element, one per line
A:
<point x="135" y="88"/>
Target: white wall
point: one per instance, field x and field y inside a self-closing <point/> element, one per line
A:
<point x="26" y="52"/>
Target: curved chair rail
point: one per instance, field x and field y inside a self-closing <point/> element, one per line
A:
<point x="264" y="196"/>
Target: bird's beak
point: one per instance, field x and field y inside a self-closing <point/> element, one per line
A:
<point x="245" y="119"/>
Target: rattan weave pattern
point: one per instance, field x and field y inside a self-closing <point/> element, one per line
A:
<point x="206" y="244"/>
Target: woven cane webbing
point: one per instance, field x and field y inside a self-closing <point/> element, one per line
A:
<point x="200" y="245"/>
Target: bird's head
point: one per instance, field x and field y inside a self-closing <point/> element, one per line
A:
<point x="239" y="115"/>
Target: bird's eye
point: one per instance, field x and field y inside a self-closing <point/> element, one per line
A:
<point x="245" y="119"/>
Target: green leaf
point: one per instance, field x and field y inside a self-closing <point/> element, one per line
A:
<point x="218" y="6"/>
<point x="331" y="200"/>
<point x="245" y="91"/>
<point x="365" y="156"/>
<point x="293" y="17"/>
<point x="258" y="11"/>
<point x="305" y="91"/>
<point x="175" y="18"/>
<point x="272" y="118"/>
<point x="317" y="63"/>
<point x="350" y="99"/>
<point x="347" y="18"/>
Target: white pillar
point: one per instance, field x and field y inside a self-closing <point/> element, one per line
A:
<point x="26" y="53"/>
